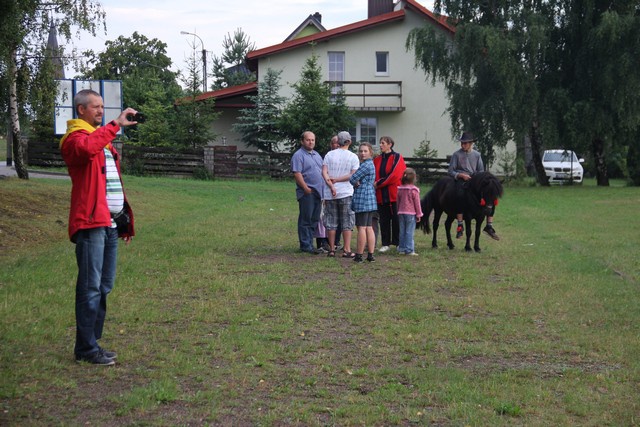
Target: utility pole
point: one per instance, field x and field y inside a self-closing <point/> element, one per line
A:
<point x="204" y="60"/>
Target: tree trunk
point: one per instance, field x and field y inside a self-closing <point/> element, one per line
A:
<point x="534" y="137"/>
<point x="14" y="120"/>
<point x="597" y="148"/>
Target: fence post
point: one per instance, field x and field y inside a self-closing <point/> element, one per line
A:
<point x="209" y="158"/>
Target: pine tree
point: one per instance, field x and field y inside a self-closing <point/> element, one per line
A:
<point x="314" y="108"/>
<point x="194" y="117"/>
<point x="259" y="125"/>
<point x="230" y="68"/>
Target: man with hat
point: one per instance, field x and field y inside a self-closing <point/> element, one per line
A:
<point x="466" y="162"/>
<point x="339" y="163"/>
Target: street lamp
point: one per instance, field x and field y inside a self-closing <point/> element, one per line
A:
<point x="204" y="60"/>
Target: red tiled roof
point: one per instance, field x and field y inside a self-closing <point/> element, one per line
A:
<point x="253" y="56"/>
<point x="228" y="92"/>
<point x="350" y="28"/>
<point x="441" y="20"/>
<point x="336" y="32"/>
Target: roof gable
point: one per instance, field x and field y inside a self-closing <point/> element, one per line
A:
<point x="385" y="18"/>
<point x="309" y="26"/>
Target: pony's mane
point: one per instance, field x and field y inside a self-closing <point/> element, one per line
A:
<point x="485" y="182"/>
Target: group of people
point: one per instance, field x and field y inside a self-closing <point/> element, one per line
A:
<point x="348" y="191"/>
<point x="344" y="190"/>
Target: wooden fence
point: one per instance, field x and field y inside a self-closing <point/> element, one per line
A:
<point x="218" y="161"/>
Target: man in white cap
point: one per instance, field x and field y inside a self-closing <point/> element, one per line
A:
<point x="339" y="163"/>
<point x="466" y="162"/>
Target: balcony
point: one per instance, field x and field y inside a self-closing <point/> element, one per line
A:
<point x="370" y="95"/>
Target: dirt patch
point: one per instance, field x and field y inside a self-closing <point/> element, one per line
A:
<point x="540" y="364"/>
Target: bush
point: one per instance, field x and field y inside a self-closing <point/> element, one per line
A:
<point x="133" y="166"/>
<point x="202" y="174"/>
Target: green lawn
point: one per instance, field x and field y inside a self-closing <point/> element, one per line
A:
<point x="219" y="320"/>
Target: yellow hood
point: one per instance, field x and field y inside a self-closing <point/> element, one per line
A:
<point x="75" y="125"/>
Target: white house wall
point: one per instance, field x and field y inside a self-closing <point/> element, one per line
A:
<point x="223" y="128"/>
<point x="425" y="114"/>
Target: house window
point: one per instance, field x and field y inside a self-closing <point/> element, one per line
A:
<point x="336" y="71"/>
<point x="366" y="130"/>
<point x="382" y="63"/>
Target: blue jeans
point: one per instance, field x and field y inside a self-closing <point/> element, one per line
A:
<point x="96" y="253"/>
<point x="310" y="206"/>
<point x="407" y="229"/>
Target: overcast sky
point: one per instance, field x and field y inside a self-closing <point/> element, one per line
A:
<point x="266" y="22"/>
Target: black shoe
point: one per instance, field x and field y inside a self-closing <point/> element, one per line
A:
<point x="358" y="258"/>
<point x="370" y="258"/>
<point x="311" y="251"/>
<point x="491" y="232"/>
<point x="459" y="231"/>
<point x="96" y="358"/>
<point x="108" y="354"/>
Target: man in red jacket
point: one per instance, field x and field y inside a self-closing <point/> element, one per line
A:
<point x="97" y="201"/>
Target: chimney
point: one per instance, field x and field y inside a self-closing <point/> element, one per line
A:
<point x="379" y="7"/>
<point x="318" y="17"/>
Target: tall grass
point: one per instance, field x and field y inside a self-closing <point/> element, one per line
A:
<point x="218" y="319"/>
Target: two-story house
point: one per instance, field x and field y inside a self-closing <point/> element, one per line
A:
<point x="369" y="62"/>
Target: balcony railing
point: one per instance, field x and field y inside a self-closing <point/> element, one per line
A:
<point x="370" y="95"/>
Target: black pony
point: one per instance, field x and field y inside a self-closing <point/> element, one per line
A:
<point x="478" y="199"/>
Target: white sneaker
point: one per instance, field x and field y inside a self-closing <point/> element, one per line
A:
<point x="383" y="249"/>
<point x="413" y="254"/>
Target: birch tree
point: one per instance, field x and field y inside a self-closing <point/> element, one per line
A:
<point x="24" y="27"/>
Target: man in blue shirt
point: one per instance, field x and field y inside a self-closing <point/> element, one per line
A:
<point x="306" y="166"/>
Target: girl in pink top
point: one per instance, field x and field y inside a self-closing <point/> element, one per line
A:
<point x="409" y="211"/>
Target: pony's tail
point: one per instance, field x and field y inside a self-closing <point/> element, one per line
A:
<point x="427" y="206"/>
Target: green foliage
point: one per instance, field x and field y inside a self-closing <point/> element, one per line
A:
<point x="148" y="84"/>
<point x="133" y="58"/>
<point x="508" y="165"/>
<point x="202" y="174"/>
<point x="132" y="165"/>
<point x="24" y="27"/>
<point x="230" y="68"/>
<point x="424" y="150"/>
<point x="142" y="399"/>
<point x="41" y="102"/>
<point x="259" y="125"/>
<point x="563" y="72"/>
<point x="313" y="107"/>
<point x="26" y="67"/>
<point x="508" y="409"/>
<point x="193" y="118"/>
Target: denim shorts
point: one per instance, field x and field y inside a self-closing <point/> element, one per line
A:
<point x="338" y="212"/>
